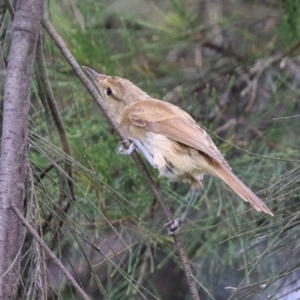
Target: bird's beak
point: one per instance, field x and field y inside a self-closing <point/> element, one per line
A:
<point x="93" y="73"/>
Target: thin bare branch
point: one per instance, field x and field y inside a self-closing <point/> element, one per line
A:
<point x="54" y="111"/>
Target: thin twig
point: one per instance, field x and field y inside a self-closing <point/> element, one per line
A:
<point x="40" y="177"/>
<point x="93" y="91"/>
<point x="261" y="67"/>
<point x="246" y="151"/>
<point x="44" y="79"/>
<point x="50" y="253"/>
<point x="53" y="108"/>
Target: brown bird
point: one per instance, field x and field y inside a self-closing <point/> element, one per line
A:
<point x="169" y="138"/>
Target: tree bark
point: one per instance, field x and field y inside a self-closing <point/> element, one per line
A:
<point x="13" y="161"/>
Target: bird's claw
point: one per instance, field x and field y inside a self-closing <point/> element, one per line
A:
<point x="174" y="226"/>
<point x="123" y="150"/>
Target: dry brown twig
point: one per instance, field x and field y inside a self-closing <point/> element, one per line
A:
<point x="54" y="111"/>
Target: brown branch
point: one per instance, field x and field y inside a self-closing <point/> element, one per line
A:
<point x="40" y="177"/>
<point x="76" y="286"/>
<point x="292" y="49"/>
<point x="46" y="87"/>
<point x="44" y="79"/>
<point x="13" y="163"/>
<point x="93" y="91"/>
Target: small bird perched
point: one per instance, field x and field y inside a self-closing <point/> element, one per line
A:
<point x="169" y="138"/>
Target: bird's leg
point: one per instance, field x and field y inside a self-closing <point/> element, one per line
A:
<point x="136" y="144"/>
<point x="195" y="195"/>
<point x="122" y="149"/>
<point x="174" y="226"/>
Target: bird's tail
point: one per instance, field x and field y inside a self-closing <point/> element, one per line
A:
<point x="241" y="189"/>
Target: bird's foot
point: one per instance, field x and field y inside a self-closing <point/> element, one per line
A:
<point x="123" y="150"/>
<point x="174" y="226"/>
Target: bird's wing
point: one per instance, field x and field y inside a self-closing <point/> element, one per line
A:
<point x="162" y="117"/>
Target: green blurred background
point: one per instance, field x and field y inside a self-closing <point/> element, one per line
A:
<point x="234" y="66"/>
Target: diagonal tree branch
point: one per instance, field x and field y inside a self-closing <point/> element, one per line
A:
<point x="54" y="111"/>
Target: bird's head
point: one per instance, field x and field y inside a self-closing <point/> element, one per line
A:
<point x="117" y="92"/>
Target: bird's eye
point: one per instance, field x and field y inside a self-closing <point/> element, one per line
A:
<point x="109" y="91"/>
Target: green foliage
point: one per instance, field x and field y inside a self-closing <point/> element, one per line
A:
<point x="291" y="21"/>
<point x="114" y="208"/>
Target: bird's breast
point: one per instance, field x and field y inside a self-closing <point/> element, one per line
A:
<point x="174" y="160"/>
